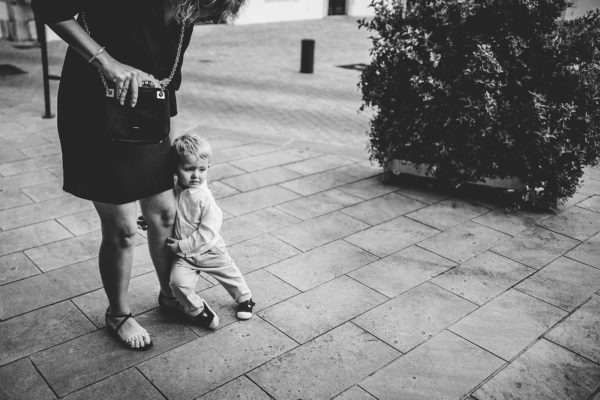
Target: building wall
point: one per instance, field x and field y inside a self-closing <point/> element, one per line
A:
<point x="258" y="11"/>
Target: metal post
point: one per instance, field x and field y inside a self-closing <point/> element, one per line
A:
<point x="307" y="57"/>
<point x="41" y="34"/>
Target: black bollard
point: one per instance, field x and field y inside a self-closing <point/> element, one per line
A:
<point x="307" y="58"/>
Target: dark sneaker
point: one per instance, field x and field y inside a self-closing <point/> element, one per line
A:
<point x="207" y="318"/>
<point x="245" y="309"/>
<point x="170" y="305"/>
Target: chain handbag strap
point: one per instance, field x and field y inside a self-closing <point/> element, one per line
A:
<point x="164" y="82"/>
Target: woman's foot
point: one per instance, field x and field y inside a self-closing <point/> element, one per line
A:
<point x="128" y="331"/>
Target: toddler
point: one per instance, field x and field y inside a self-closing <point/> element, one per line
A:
<point x="197" y="245"/>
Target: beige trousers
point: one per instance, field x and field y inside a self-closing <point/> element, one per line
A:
<point x="217" y="263"/>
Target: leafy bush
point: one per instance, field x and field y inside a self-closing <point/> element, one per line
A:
<point x="486" y="89"/>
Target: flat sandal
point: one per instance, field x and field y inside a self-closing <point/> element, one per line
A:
<point x="115" y="331"/>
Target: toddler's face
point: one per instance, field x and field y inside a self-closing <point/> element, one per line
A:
<point x="192" y="171"/>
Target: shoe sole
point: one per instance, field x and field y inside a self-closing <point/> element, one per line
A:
<point x="244" y="315"/>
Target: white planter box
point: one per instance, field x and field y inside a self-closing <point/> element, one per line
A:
<point x="397" y="167"/>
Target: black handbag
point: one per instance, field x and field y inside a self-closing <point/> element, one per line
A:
<point x="149" y="121"/>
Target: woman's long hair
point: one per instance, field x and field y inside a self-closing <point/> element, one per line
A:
<point x="189" y="10"/>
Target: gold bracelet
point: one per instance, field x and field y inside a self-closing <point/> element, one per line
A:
<point x="100" y="50"/>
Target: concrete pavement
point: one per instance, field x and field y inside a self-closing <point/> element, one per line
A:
<point x="363" y="290"/>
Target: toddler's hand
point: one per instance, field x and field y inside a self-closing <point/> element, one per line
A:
<point x="173" y="244"/>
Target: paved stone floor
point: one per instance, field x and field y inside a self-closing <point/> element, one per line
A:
<point x="364" y="290"/>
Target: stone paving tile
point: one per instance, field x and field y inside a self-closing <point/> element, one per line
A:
<point x="129" y="384"/>
<point x="30" y="165"/>
<point x="342" y="356"/>
<point x="483" y="277"/>
<point x="414" y="316"/>
<point x="563" y="283"/>
<point x="224" y="148"/>
<point x="41" y="290"/>
<point x="9" y="154"/>
<point x="420" y="193"/>
<point x="464" y="241"/>
<point x="81" y="223"/>
<point x="392" y="236"/>
<point x="262" y="178"/>
<point x="369" y="188"/>
<point x="241" y="388"/>
<point x="41" y="150"/>
<point x="221" y="171"/>
<point x="40" y="329"/>
<point x="254" y="200"/>
<point x="384" y="208"/>
<point x="360" y="170"/>
<point x="591" y="203"/>
<point x="401" y="271"/>
<point x="508" y="323"/>
<point x="445" y="367"/>
<point x="267" y="290"/>
<point x="263" y="161"/>
<point x="320" y="182"/>
<point x="318" y="310"/>
<point x="16" y="266"/>
<point x="46" y="191"/>
<point x="259" y="252"/>
<point x="220" y="190"/>
<point x="447" y="213"/>
<point x="576" y="222"/>
<point x="317" y="231"/>
<point x="20" y="381"/>
<point x="579" y="332"/>
<point x="320" y="265"/>
<point x="10" y="198"/>
<point x="571" y="201"/>
<point x="66" y="252"/>
<point x="590" y="187"/>
<point x="42" y="211"/>
<point x="354" y="393"/>
<point x="509" y="222"/>
<point x="535" y="247"/>
<point x="80" y="362"/>
<point x="319" y="204"/>
<point x="318" y="164"/>
<point x="587" y="252"/>
<point x="143" y="296"/>
<point x="248" y="226"/>
<point x="31" y="236"/>
<point x="222" y="356"/>
<point x="591" y="172"/>
<point x="544" y="372"/>
<point x="27" y="180"/>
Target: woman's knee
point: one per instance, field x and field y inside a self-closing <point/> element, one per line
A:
<point x="162" y="219"/>
<point x="159" y="210"/>
<point x="122" y="236"/>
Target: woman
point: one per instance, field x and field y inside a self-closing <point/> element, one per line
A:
<point x="131" y="42"/>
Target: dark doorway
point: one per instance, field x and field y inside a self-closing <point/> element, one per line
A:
<point x="337" y="7"/>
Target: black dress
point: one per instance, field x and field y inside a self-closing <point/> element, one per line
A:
<point x="140" y="33"/>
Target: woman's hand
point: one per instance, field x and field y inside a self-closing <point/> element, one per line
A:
<point x="127" y="79"/>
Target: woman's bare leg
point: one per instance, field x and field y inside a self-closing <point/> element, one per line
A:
<point x="159" y="213"/>
<point x="116" y="257"/>
<point x="116" y="252"/>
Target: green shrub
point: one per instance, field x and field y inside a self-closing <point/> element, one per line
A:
<point x="486" y="89"/>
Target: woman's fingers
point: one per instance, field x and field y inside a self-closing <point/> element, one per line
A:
<point x="124" y="88"/>
<point x="134" y="90"/>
